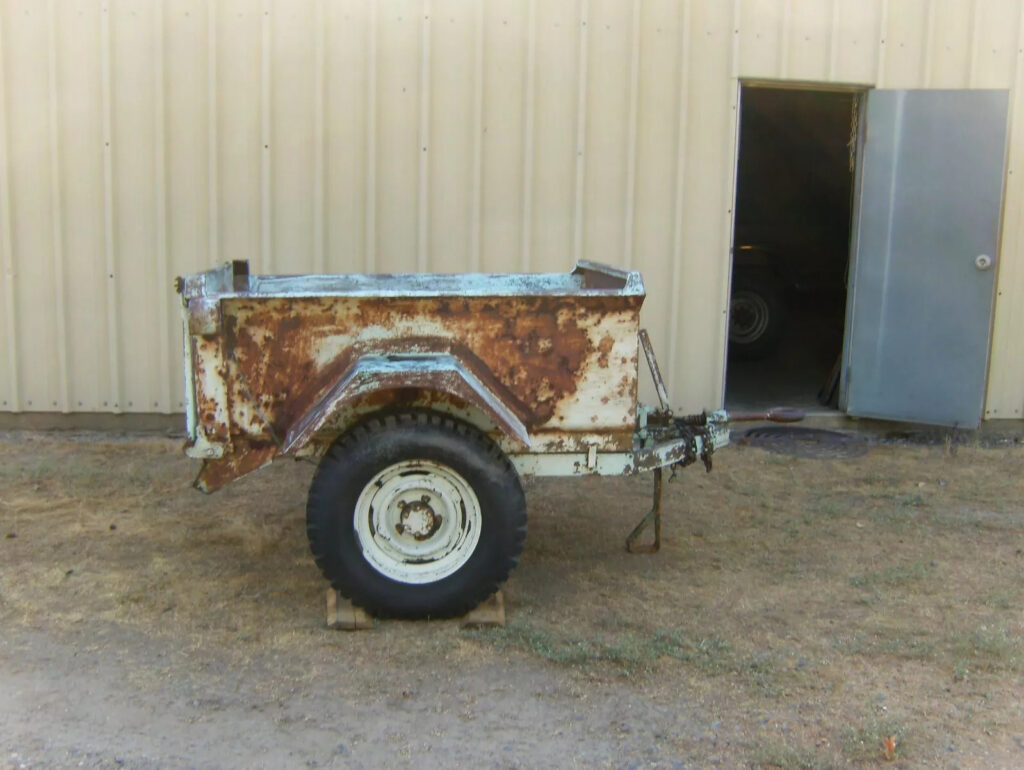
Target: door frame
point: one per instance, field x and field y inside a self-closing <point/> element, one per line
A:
<point x="851" y="288"/>
<point x="859" y="90"/>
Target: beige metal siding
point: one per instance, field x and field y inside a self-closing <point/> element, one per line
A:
<point x="140" y="139"/>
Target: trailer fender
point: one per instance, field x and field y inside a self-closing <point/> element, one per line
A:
<point x="441" y="372"/>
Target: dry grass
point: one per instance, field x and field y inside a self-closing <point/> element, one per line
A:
<point x="817" y="606"/>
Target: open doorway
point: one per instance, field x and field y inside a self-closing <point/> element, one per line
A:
<point x="791" y="238"/>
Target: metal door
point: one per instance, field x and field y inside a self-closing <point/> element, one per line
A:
<point x="927" y="208"/>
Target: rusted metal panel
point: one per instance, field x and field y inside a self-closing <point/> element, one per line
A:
<point x="550" y="361"/>
<point x="211" y="389"/>
<point x="441" y="373"/>
<point x="190" y="379"/>
<point x="245" y="458"/>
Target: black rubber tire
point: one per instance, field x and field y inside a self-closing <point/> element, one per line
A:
<point x="761" y="294"/>
<point x="351" y="464"/>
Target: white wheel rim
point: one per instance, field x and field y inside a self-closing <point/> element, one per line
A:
<point x="417" y="521"/>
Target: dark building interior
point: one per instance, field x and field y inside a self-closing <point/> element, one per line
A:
<point x="790" y="247"/>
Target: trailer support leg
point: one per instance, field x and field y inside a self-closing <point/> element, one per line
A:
<point x="654" y="515"/>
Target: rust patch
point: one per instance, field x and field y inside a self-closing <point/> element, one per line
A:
<point x="244" y="459"/>
<point x="532" y="348"/>
<point x="213" y="418"/>
<point x="357" y="383"/>
<point x="554" y="441"/>
<point x="404" y="398"/>
<point x="604" y="348"/>
<point x="627" y="385"/>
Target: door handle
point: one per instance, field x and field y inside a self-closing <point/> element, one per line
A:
<point x="983" y="261"/>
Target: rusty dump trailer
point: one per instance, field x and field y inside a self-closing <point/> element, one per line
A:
<point x="424" y="398"/>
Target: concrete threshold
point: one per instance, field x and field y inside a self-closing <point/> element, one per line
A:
<point x="989" y="433"/>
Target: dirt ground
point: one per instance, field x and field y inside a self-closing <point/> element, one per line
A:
<point x="800" y="613"/>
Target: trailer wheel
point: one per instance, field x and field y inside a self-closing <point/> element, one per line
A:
<point x="416" y="515"/>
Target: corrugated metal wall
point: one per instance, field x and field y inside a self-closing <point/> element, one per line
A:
<point x="140" y="139"/>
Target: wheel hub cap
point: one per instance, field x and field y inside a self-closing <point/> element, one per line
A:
<point x="417" y="521"/>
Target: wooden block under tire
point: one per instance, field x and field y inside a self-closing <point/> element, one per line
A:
<point x="490" y="613"/>
<point x="345" y="616"/>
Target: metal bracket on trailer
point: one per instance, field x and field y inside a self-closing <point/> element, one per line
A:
<point x="653" y="516"/>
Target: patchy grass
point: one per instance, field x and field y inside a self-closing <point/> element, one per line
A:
<point x="894" y="575"/>
<point x="984" y="649"/>
<point x="773" y="754"/>
<point x="987" y="649"/>
<point x="866" y="741"/>
<point x="896" y="642"/>
<point x="805" y="609"/>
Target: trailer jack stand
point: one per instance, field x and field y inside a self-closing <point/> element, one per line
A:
<point x="654" y="515"/>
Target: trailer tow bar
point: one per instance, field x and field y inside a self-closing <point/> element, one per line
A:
<point x="698" y="425"/>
